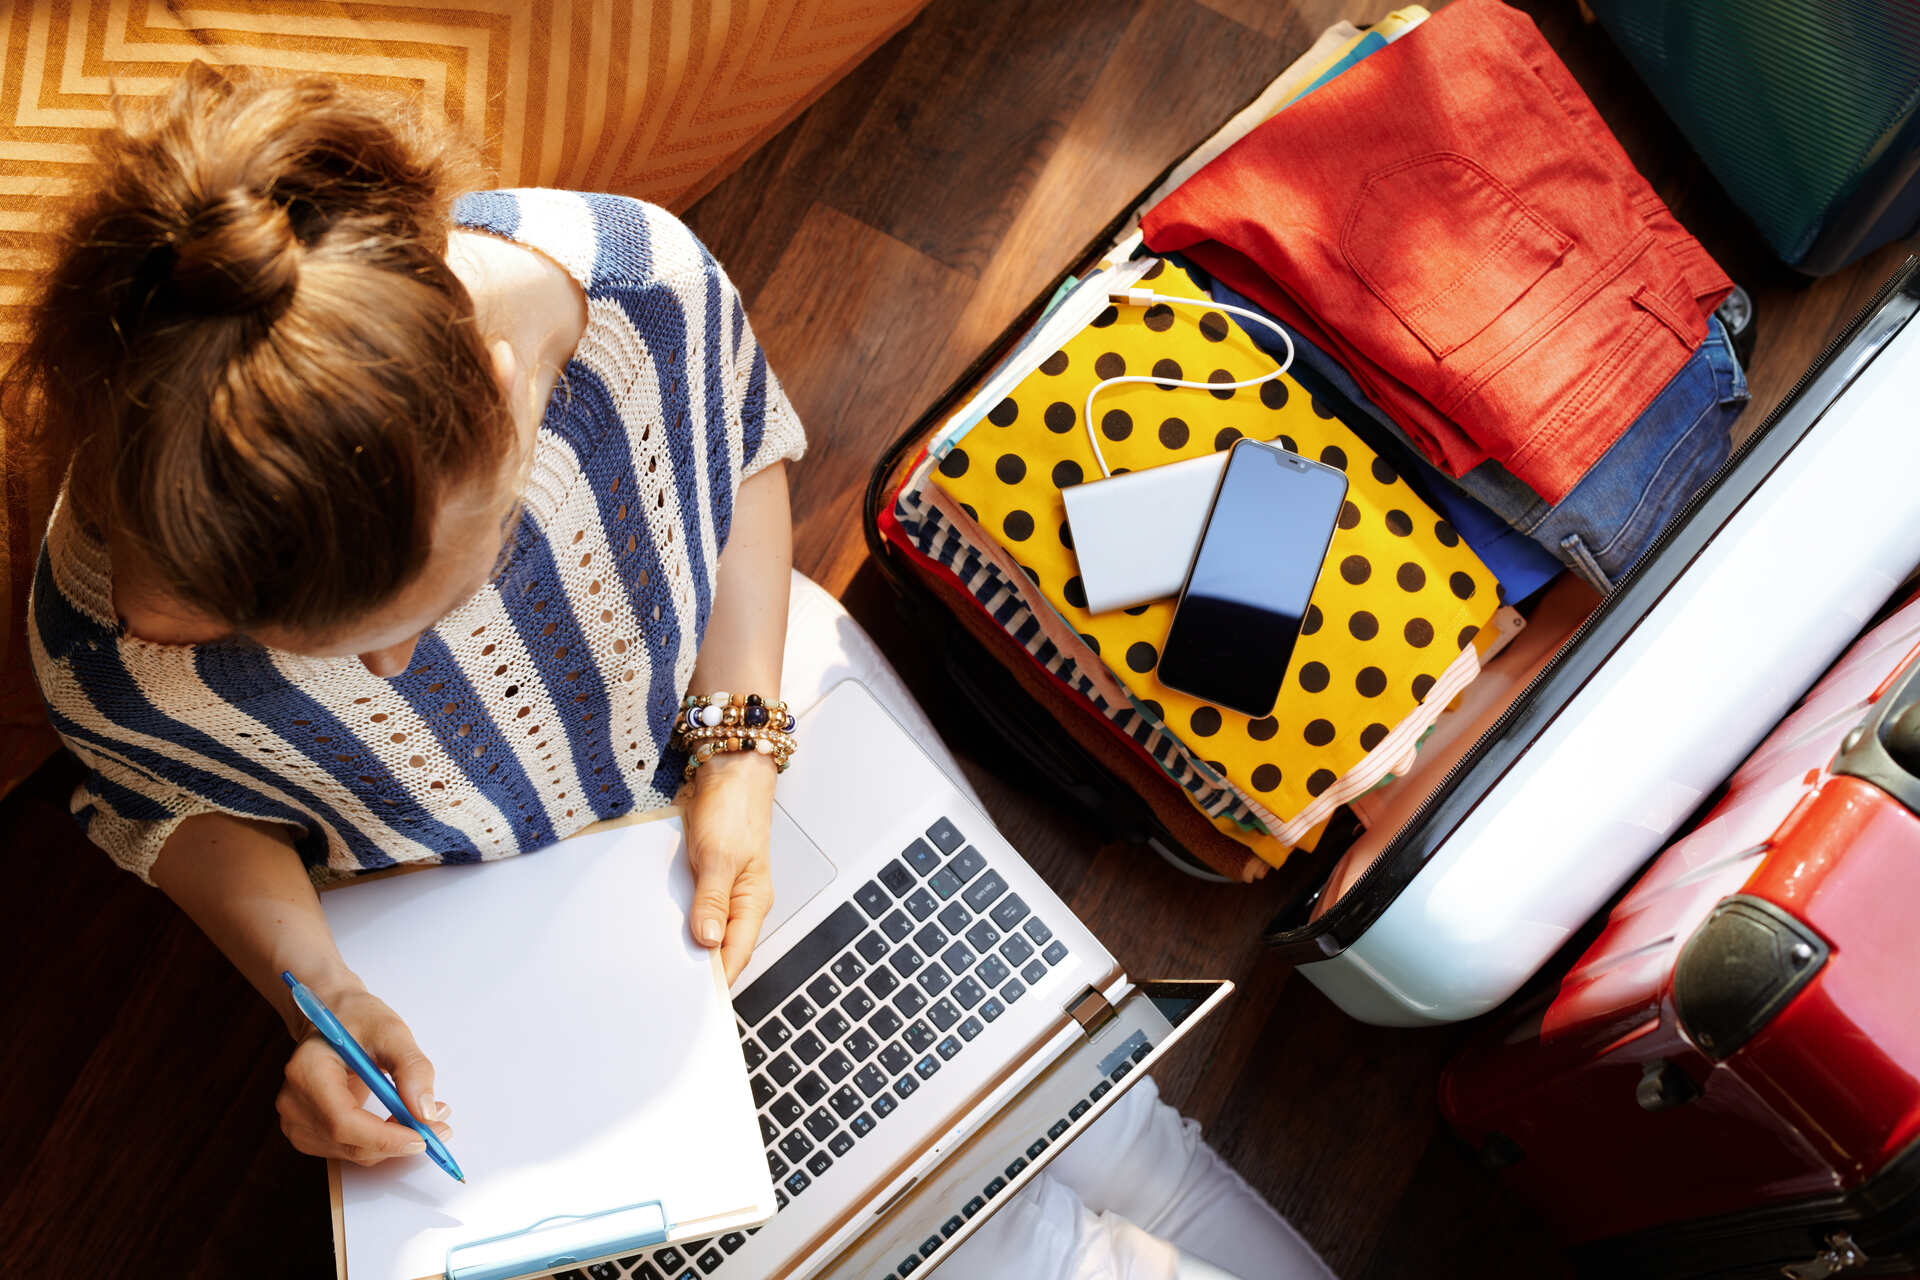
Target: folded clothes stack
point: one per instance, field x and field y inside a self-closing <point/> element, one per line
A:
<point x="1499" y="334"/>
<point x="1492" y="273"/>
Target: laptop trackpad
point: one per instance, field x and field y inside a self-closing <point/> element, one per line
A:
<point x="800" y="870"/>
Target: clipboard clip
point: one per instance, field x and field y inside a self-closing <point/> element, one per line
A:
<point x="562" y="1240"/>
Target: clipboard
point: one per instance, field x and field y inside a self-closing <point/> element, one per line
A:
<point x="548" y="1236"/>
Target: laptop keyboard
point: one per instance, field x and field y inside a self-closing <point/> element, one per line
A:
<point x="843" y="1029"/>
<point x="998" y="1183"/>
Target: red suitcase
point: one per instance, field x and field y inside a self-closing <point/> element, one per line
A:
<point x="1727" y="1084"/>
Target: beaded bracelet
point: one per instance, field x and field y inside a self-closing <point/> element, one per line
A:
<point x="717" y="723"/>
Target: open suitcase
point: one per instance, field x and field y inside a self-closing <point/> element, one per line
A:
<point x="1727" y="1082"/>
<point x="1653" y="699"/>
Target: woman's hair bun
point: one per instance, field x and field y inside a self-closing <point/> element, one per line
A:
<point x="237" y="255"/>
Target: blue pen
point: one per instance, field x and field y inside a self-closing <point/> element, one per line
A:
<point x="367" y="1069"/>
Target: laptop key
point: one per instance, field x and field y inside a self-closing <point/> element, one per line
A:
<point x="995" y="1187"/>
<point x="952" y="1225"/>
<point x="934" y="979"/>
<point x="811" y="1088"/>
<point x="909" y="1002"/>
<point x="954" y="917"/>
<point x="1008" y="912"/>
<point x="886" y="1024"/>
<point x="845" y="1102"/>
<point x="768" y="1130"/>
<point x="836" y="1066"/>
<point x="796" y="1145"/>
<point x="897" y="878"/>
<point x="881" y="983"/>
<point x="755" y="1055"/>
<point x="894" y="1059"/>
<point x="981" y="893"/>
<point x="957" y="957"/>
<point x="946" y="882"/>
<point x="921" y="904"/>
<point x="872" y="946"/>
<point x="909" y="1265"/>
<point x="1013" y="1170"/>
<point x="862" y="1124"/>
<point x="818" y="1163"/>
<point x="832" y="1025"/>
<point x="1038" y="931"/>
<point x="943" y="1014"/>
<point x="1056" y="952"/>
<point x="968" y="993"/>
<point x="1059" y="1127"/>
<point x="1039" y="1145"/>
<point x="905" y="1086"/>
<point x="896" y="926"/>
<point x="732" y="1241"/>
<point x="821" y="1125"/>
<point x="872" y="899"/>
<point x="930" y="1246"/>
<point x="904" y="961"/>
<point x="993" y="971"/>
<point x="861" y="1044"/>
<point x="1034" y="972"/>
<point x="848" y="969"/>
<point x="1100" y="1090"/>
<point x="645" y="1271"/>
<point x="921" y="857"/>
<point x="763" y="1091"/>
<point x="930" y="939"/>
<point x="920" y="1037"/>
<point x="774" y="1034"/>
<point x="801" y="961"/>
<point x="711" y="1259"/>
<point x="883" y="1106"/>
<point x="948" y="1048"/>
<point x="1016" y="949"/>
<point x="992" y="1009"/>
<point x="808" y="1047"/>
<point x="857" y="1005"/>
<point x="798" y="1182"/>
<point x="871" y="1080"/>
<point x="1012" y="991"/>
<point x="779" y="1201"/>
<point x="945" y="835"/>
<point x="1079" y="1109"/>
<point x="974" y="1206"/>
<point x="776" y="1166"/>
<point x="926" y="1067"/>
<point x="1120" y="1072"/>
<point x="968" y="863"/>
<point x="823" y="990"/>
<point x="983" y="936"/>
<point x="786" y="1111"/>
<point x="798" y="1012"/>
<point x="783" y="1069"/>
<point x="670" y="1258"/>
<point x="840" y="1143"/>
<point x="1141" y="1050"/>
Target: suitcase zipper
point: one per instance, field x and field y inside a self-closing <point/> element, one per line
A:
<point x="1316" y="933"/>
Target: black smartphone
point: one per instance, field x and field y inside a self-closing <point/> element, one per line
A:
<point x="1252" y="577"/>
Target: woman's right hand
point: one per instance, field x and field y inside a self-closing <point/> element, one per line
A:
<point x="319" y="1103"/>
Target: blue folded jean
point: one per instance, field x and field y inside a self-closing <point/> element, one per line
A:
<point x="1616" y="511"/>
<point x="1671" y="451"/>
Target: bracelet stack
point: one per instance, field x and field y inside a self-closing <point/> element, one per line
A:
<point x="712" y="724"/>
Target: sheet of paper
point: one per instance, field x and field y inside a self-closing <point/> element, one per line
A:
<point x="584" y="1042"/>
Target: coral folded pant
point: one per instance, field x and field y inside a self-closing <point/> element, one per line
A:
<point x="1453" y="220"/>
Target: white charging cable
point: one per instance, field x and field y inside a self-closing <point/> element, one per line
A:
<point x="1147" y="297"/>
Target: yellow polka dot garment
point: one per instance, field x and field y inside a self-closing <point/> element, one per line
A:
<point x="1398" y="597"/>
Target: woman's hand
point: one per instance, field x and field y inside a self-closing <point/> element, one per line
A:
<point x="727" y="818"/>
<point x="319" y="1104"/>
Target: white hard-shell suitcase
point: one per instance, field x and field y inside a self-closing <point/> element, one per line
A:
<point x="1734" y="613"/>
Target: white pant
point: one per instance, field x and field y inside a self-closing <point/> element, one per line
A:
<point x="1139" y="1196"/>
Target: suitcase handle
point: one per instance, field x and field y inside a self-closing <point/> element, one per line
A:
<point x="1884" y="749"/>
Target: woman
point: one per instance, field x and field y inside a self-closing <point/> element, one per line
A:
<point x="397" y="528"/>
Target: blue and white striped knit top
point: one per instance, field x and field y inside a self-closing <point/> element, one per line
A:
<point x="539" y="705"/>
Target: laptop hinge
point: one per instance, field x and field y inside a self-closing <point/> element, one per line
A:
<point x="1091" y="1010"/>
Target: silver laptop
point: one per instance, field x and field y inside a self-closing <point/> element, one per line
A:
<point x="926" y="1023"/>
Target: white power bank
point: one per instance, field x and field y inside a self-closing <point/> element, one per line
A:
<point x="1135" y="534"/>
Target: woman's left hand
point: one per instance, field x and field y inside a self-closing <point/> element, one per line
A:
<point x="727" y="818"/>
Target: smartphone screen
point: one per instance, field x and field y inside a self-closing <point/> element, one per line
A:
<point x="1252" y="577"/>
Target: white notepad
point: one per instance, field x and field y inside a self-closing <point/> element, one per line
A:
<point x="584" y="1042"/>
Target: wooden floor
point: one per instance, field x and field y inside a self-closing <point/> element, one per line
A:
<point x="881" y="241"/>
